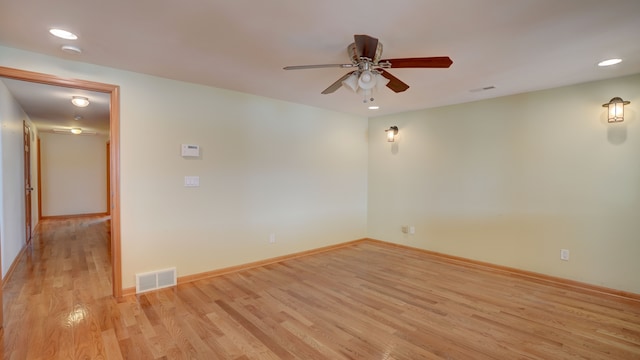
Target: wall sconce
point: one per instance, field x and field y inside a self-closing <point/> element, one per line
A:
<point x="80" y="101"/>
<point x="616" y="109"/>
<point x="392" y="132"/>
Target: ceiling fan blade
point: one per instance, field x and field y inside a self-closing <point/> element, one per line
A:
<point x="366" y="46"/>
<point x="394" y="83"/>
<point x="424" y="62"/>
<point x="336" y="85"/>
<point x="300" y="67"/>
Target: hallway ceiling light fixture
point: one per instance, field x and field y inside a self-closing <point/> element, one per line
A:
<point x="364" y="83"/>
<point x="71" y="131"/>
<point x="616" y="109"/>
<point x="392" y="132"/>
<point x="80" y="101"/>
<point x="63" y="34"/>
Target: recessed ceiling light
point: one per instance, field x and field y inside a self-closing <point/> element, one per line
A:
<point x="71" y="49"/>
<point x="374" y="107"/>
<point x="63" y="34"/>
<point x="609" y="62"/>
<point x="80" y="101"/>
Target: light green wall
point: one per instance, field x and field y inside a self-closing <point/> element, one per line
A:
<point x="513" y="180"/>
<point x="267" y="166"/>
<point x="509" y="181"/>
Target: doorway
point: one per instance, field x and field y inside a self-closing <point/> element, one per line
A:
<point x="114" y="153"/>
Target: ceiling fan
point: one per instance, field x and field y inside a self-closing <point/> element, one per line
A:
<point x="365" y="53"/>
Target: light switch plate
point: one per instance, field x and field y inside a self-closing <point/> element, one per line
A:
<point x="192" y="181"/>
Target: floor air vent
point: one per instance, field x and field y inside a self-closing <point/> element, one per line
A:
<point x="155" y="280"/>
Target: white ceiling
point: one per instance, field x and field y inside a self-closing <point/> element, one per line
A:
<point x="514" y="45"/>
<point x="50" y="107"/>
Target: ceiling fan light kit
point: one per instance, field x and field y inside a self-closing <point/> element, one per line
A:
<point x="365" y="83"/>
<point x="351" y="82"/>
<point x="365" y="53"/>
<point x="366" y="80"/>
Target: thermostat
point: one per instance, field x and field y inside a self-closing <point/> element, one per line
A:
<point x="190" y="150"/>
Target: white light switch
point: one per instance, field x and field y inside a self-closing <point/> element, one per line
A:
<point x="192" y="181"/>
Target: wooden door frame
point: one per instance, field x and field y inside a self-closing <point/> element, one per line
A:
<point x="39" y="170"/>
<point x="114" y="138"/>
<point x="108" y="177"/>
<point x="28" y="185"/>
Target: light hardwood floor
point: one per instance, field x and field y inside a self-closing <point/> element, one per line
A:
<point x="365" y="301"/>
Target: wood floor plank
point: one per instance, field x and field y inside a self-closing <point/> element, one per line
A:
<point x="363" y="301"/>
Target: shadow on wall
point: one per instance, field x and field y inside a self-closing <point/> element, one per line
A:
<point x="617" y="134"/>
<point x="394" y="148"/>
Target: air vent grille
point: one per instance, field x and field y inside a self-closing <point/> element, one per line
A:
<point x="155" y="280"/>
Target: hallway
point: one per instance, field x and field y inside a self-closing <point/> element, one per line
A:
<point x="56" y="297"/>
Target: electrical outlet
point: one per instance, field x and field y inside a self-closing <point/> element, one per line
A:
<point x="564" y="254"/>
<point x="412" y="230"/>
<point x="272" y="238"/>
<point x="405" y="229"/>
